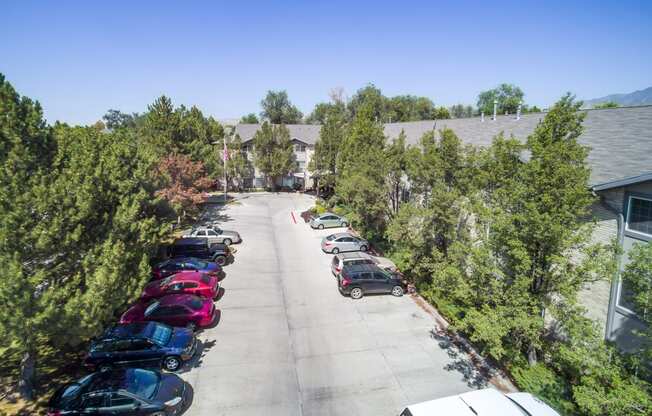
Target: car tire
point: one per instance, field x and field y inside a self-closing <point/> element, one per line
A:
<point x="363" y="248"/>
<point x="221" y="260"/>
<point x="320" y="226"/>
<point x="104" y="367"/>
<point x="344" y="224"/>
<point x="227" y="242"/>
<point x="191" y="326"/>
<point x="397" y="291"/>
<point x="335" y="250"/>
<point x="172" y="363"/>
<point x="356" y="293"/>
<point x="158" y="414"/>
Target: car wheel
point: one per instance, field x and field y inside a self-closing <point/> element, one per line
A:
<point x="335" y="250"/>
<point x="104" y="367"/>
<point x="221" y="260"/>
<point x="227" y="241"/>
<point x="191" y="326"/>
<point x="171" y="363"/>
<point x="158" y="414"/>
<point x="363" y="248"/>
<point x="356" y="293"/>
<point x="320" y="226"/>
<point x="397" y="291"/>
<point x="344" y="224"/>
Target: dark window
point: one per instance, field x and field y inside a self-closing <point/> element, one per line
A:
<point x="176" y="310"/>
<point x="190" y="285"/>
<point x="161" y="311"/>
<point x="140" y="344"/>
<point x="380" y="276"/>
<point x="122" y="345"/>
<point x="640" y="215"/>
<point x="196" y="303"/>
<point x="205" y="279"/>
<point x="94" y="400"/>
<point x="121" y="400"/>
<point x="365" y="276"/>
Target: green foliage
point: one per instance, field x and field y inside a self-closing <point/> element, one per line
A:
<point x="238" y="167"/>
<point x="277" y="109"/>
<point x="461" y="111"/>
<point x="115" y="119"/>
<point x="249" y="119"/>
<point x="508" y="97"/>
<point x="546" y="384"/>
<point x="607" y="104"/>
<point x="323" y="163"/>
<point x="273" y="152"/>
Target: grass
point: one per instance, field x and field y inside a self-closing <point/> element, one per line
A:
<point x="55" y="367"/>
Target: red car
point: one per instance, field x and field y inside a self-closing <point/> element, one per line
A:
<point x="175" y="310"/>
<point x="194" y="283"/>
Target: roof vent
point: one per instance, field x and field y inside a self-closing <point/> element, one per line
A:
<point x="495" y="110"/>
<point x="482" y="116"/>
<point x="518" y="112"/>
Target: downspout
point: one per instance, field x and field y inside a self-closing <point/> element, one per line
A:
<point x="613" y="293"/>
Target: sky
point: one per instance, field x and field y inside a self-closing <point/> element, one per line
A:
<point x="81" y="58"/>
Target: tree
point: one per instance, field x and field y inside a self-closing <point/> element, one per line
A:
<point x="238" y="167"/>
<point x="361" y="174"/>
<point x="115" y="119"/>
<point x="249" y="119"/>
<point x="461" y="111"/>
<point x="508" y="96"/>
<point x="273" y="152"/>
<point x="396" y="160"/>
<point x="161" y="125"/>
<point x="607" y="104"/>
<point x="278" y="109"/>
<point x="183" y="183"/>
<point x="372" y="99"/>
<point x="323" y="163"/>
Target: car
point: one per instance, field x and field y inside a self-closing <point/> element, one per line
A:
<point x="215" y="235"/>
<point x="327" y="220"/>
<point x="175" y="310"/>
<point x="336" y="243"/>
<point x="125" y="391"/>
<point x="141" y="344"/>
<point x="362" y="279"/>
<point x="200" y="248"/>
<point x="349" y="259"/>
<point x="194" y="283"/>
<point x="178" y="264"/>
<point x="485" y="402"/>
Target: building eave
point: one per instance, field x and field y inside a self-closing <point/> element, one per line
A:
<point x="622" y="182"/>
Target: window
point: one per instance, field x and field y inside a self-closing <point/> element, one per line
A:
<point x="122" y="345"/>
<point x="300" y="147"/>
<point x="140" y="344"/>
<point x="639" y="215"/>
<point x="211" y="233"/>
<point x="366" y="276"/>
<point x="190" y="285"/>
<point x="94" y="400"/>
<point x="380" y="276"/>
<point x="118" y="399"/>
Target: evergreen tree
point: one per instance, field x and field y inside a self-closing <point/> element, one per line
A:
<point x="273" y="152"/>
<point x="324" y="160"/>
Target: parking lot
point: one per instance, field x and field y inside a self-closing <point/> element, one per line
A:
<point x="289" y="344"/>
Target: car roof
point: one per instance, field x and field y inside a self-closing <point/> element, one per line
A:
<point x="338" y="235"/>
<point x="176" y="299"/>
<point x="353" y="255"/>
<point x="485" y="402"/>
<point x="532" y="404"/>
<point x="190" y="241"/>
<point x="328" y="213"/>
<point x="131" y="330"/>
<point x="355" y="268"/>
<point x="187" y="275"/>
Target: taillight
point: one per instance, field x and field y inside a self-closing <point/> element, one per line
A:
<point x="327" y="243"/>
<point x="345" y="281"/>
<point x="338" y="269"/>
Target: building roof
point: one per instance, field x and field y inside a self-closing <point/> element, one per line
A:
<point x="620" y="138"/>
<point x="306" y="133"/>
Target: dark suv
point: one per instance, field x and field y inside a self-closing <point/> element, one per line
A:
<point x="142" y="344"/>
<point x="201" y="249"/>
<point x="362" y="279"/>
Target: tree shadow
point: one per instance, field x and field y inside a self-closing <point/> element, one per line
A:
<point x="202" y="348"/>
<point x="475" y="372"/>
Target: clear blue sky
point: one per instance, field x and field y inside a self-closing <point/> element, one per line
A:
<point x="81" y="58"/>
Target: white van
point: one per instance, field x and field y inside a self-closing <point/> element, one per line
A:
<point x="487" y="402"/>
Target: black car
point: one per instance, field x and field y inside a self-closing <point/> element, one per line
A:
<point x="200" y="248"/>
<point x="142" y="344"/>
<point x="361" y="279"/>
<point x="129" y="391"/>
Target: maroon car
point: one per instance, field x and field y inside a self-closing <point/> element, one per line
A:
<point x="175" y="310"/>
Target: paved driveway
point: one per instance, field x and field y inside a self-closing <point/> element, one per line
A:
<point x="289" y="344"/>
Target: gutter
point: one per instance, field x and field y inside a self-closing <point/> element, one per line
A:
<point x="613" y="293"/>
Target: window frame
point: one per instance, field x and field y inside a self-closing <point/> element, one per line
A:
<point x="629" y="211"/>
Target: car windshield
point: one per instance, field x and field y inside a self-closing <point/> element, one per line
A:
<point x="204" y="278"/>
<point x="331" y="237"/>
<point x="197" y="264"/>
<point x="142" y="383"/>
<point x="159" y="333"/>
<point x="151" y="308"/>
<point x="165" y="281"/>
<point x="195" y="303"/>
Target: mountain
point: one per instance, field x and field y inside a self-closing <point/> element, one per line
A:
<point x="642" y="97"/>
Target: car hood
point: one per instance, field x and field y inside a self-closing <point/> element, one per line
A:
<point x="181" y="338"/>
<point x="171" y="386"/>
<point x="533" y="405"/>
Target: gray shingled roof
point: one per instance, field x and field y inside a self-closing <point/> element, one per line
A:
<point x="307" y="133"/>
<point x="620" y="138"/>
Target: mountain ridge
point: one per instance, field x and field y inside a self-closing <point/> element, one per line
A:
<point x="640" y="97"/>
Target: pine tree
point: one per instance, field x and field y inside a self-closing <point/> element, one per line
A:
<point x="273" y="152"/>
<point x="324" y="160"/>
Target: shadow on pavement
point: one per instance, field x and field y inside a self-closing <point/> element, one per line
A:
<point x="476" y="374"/>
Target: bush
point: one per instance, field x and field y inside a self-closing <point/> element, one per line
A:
<point x="545" y="384"/>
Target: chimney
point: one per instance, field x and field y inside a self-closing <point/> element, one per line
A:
<point x="482" y="116"/>
<point x="518" y="112"/>
<point x="495" y="110"/>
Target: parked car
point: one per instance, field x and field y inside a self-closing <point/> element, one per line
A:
<point x="485" y="402"/>
<point x="194" y="283"/>
<point x="327" y="220"/>
<point x="128" y="391"/>
<point x="349" y="259"/>
<point x="179" y="264"/>
<point x="362" y="279"/>
<point x="336" y="243"/>
<point x="200" y="248"/>
<point x="142" y="344"/>
<point x="215" y="235"/>
<point x="175" y="310"/>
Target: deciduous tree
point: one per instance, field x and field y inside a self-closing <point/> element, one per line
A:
<point x="277" y="108"/>
<point x="273" y="152"/>
<point x="508" y="96"/>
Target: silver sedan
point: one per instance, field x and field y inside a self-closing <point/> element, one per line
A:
<point x="336" y="243"/>
<point x="328" y="220"/>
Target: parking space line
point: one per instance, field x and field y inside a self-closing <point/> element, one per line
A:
<point x="293" y="219"/>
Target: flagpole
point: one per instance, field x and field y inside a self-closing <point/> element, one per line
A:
<point x="225" y="155"/>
